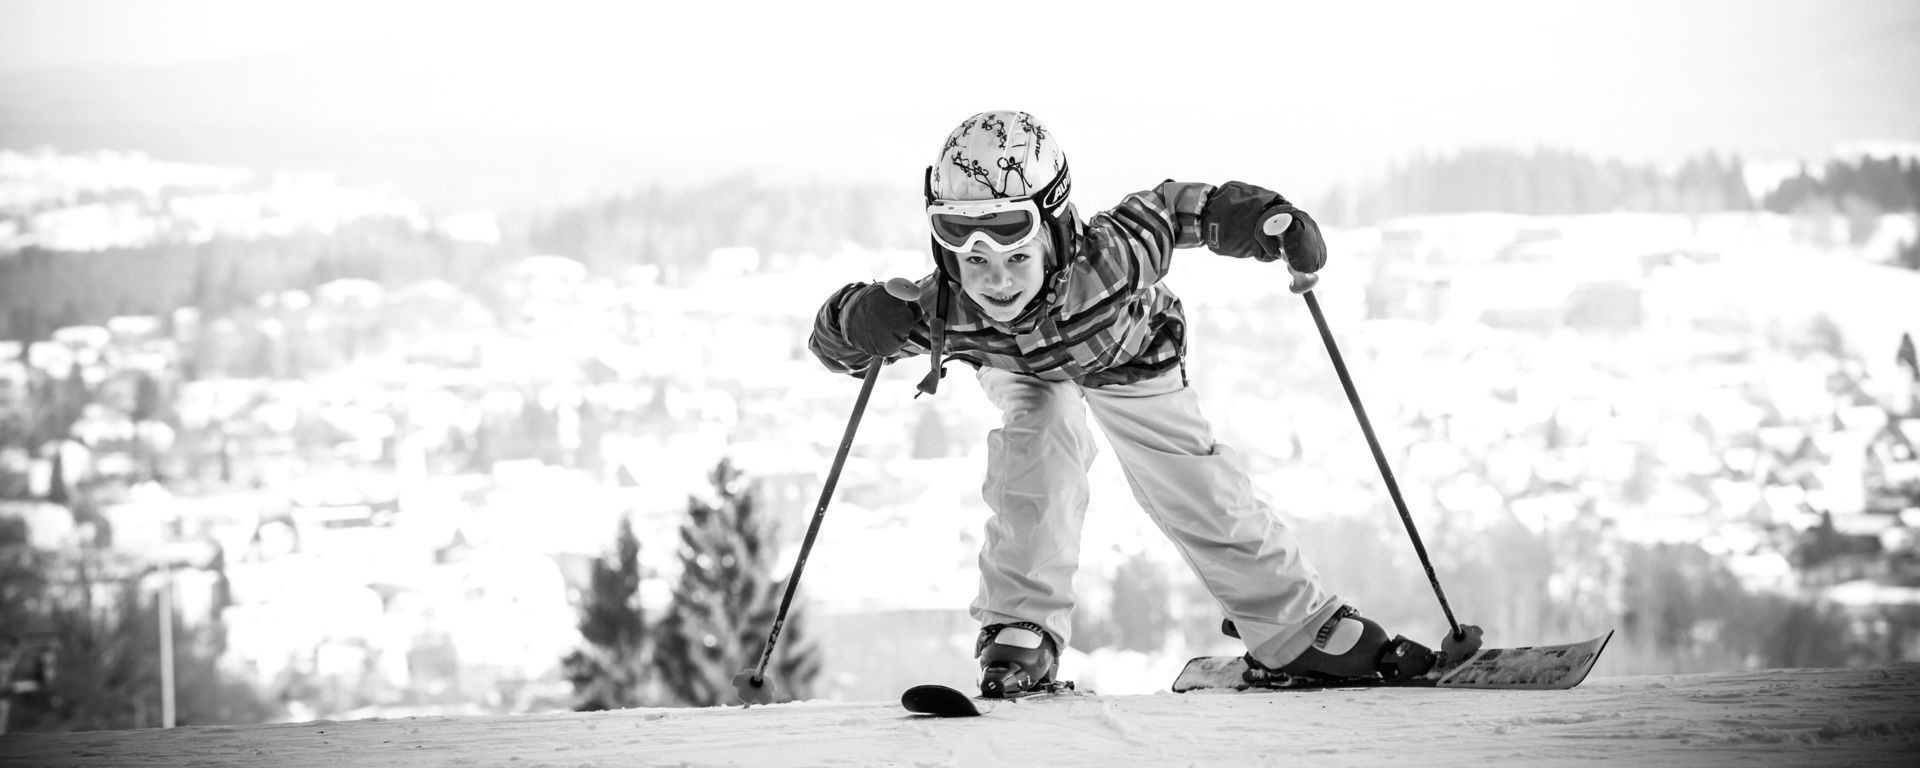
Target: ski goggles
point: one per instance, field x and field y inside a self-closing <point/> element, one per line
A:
<point x="1004" y="225"/>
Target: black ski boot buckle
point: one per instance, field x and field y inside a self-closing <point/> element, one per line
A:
<point x="1404" y="659"/>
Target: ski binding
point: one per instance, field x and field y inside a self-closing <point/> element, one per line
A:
<point x="1538" y="668"/>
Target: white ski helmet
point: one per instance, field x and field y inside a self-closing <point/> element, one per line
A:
<point x="999" y="177"/>
<point x="995" y="155"/>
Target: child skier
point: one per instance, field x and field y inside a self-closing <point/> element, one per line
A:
<point x="1061" y="317"/>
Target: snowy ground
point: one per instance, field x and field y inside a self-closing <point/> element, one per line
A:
<point x="1778" y="717"/>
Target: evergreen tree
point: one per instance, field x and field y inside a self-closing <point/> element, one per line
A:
<point x="725" y="602"/>
<point x="611" y="672"/>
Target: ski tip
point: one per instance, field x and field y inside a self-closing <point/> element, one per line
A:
<point x="1599" y="646"/>
<point x="1538" y="667"/>
<point x="1204" y="672"/>
<point x="942" y="701"/>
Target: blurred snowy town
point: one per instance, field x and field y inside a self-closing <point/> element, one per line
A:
<point x="390" y="496"/>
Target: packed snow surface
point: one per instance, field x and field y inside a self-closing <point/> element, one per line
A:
<point x="1777" y="717"/>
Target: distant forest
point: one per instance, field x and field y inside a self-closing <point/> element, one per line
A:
<point x="44" y="290"/>
<point x="672" y="229"/>
<point x="1553" y="182"/>
<point x="675" y="229"/>
<point x="1887" y="185"/>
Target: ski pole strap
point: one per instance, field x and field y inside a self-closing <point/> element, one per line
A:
<point x="937" y="341"/>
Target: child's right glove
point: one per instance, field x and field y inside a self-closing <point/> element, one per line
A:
<point x="877" y="323"/>
<point x="1234" y="224"/>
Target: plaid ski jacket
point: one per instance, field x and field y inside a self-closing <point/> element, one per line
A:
<point x="1102" y="319"/>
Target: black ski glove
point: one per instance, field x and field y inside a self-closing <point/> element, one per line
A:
<point x="1233" y="217"/>
<point x="877" y="323"/>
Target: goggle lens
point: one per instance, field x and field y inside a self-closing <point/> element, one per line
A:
<point x="1003" y="230"/>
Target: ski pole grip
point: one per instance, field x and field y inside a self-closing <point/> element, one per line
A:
<point x="903" y="289"/>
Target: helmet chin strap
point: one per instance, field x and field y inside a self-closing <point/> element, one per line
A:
<point x="1065" y="243"/>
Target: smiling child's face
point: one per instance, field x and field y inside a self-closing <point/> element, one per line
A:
<point x="1004" y="283"/>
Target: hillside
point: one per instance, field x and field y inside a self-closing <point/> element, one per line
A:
<point x="1776" y="717"/>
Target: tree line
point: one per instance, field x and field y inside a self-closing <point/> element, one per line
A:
<point x="676" y="229"/>
<point x="1542" y="182"/>
<point x="1557" y="182"/>
<point x="1550" y="182"/>
<point x="1861" y="190"/>
<point x="43" y="290"/>
<point x="673" y="229"/>
<point x="1883" y="184"/>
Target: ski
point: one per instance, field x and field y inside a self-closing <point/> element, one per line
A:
<point x="1537" y="668"/>
<point x="942" y="701"/>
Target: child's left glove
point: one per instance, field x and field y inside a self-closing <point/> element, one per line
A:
<point x="1236" y="223"/>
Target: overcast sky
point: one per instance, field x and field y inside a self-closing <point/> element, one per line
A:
<point x="1137" y="91"/>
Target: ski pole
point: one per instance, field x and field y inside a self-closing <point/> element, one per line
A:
<point x="751" y="684"/>
<point x="1303" y="284"/>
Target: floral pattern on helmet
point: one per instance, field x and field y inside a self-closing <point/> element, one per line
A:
<point x="994" y="155"/>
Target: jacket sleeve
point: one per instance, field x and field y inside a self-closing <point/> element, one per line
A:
<point x="1145" y="228"/>
<point x="829" y="339"/>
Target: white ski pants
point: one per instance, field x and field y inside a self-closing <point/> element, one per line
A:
<point x="1194" y="489"/>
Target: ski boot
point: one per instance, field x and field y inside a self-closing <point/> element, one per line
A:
<point x="1016" y="658"/>
<point x="1349" y="647"/>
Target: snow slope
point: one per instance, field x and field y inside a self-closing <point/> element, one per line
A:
<point x="1779" y="717"/>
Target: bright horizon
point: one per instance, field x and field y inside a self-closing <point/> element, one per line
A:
<point x="1284" y="94"/>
